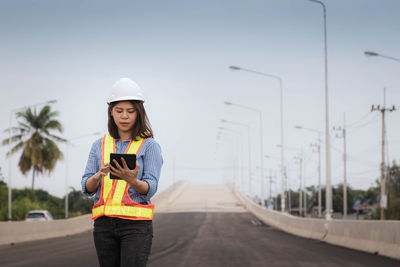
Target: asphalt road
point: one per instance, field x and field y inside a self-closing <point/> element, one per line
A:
<point x="200" y="239"/>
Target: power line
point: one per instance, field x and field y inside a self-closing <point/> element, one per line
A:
<point x="373" y="120"/>
<point x="359" y="120"/>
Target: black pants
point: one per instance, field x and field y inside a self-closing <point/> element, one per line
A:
<point x="121" y="242"/>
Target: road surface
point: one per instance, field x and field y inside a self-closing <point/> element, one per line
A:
<point x="216" y="232"/>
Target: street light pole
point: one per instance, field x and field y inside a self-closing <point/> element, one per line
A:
<point x="249" y="147"/>
<point x="328" y="215"/>
<point x="68" y="143"/>
<point x="10" y="155"/>
<point x="283" y="174"/>
<point x="319" y="164"/>
<point x="261" y="145"/>
<point x="9" y="173"/>
<point x="374" y="54"/>
<point x="241" y="151"/>
<point x="66" y="181"/>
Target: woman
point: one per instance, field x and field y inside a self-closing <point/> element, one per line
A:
<point x="122" y="210"/>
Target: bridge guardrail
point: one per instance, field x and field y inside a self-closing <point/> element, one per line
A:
<point x="381" y="237"/>
<point x="167" y="196"/>
<point x="21" y="231"/>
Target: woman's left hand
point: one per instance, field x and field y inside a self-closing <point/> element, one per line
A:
<point x="130" y="176"/>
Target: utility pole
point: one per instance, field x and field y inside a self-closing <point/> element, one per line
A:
<point x="305" y="189"/>
<point x="318" y="146"/>
<point x="343" y="131"/>
<point x="300" y="159"/>
<point x="275" y="190"/>
<point x="319" y="181"/>
<point x="344" y="168"/>
<point x="383" y="204"/>
<point x="301" y="187"/>
<point x="270" y="198"/>
<point x="174" y="172"/>
<point x="270" y="186"/>
<point x="288" y="192"/>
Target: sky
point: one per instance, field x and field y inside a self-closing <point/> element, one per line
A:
<point x="179" y="53"/>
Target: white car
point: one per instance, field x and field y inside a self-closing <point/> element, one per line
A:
<point x="38" y="215"/>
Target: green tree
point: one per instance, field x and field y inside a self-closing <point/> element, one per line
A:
<point x="3" y="201"/>
<point x="337" y="198"/>
<point x="1" y="175"/>
<point x="78" y="203"/>
<point x="393" y="211"/>
<point x="34" y="137"/>
<point x="26" y="199"/>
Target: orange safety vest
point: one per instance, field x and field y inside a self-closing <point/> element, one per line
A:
<point x="114" y="198"/>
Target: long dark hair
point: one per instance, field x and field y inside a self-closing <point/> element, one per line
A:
<point x="142" y="126"/>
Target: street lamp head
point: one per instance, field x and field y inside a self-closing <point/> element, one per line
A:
<point x="227" y="103"/>
<point x="370" y="53"/>
<point x="234" y="67"/>
<point x="52" y="101"/>
<point x="224" y="121"/>
<point x="298" y="127"/>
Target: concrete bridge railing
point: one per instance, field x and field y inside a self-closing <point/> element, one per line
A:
<point x="21" y="231"/>
<point x="381" y="237"/>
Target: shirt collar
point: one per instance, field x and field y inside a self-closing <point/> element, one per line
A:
<point x="127" y="140"/>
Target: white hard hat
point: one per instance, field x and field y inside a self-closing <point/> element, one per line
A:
<point x="125" y="89"/>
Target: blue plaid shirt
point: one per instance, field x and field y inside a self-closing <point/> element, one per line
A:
<point x="150" y="162"/>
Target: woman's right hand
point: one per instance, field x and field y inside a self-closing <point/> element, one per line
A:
<point x="93" y="182"/>
<point x="103" y="171"/>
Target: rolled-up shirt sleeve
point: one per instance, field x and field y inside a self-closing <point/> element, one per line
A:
<point x="152" y="163"/>
<point x="92" y="165"/>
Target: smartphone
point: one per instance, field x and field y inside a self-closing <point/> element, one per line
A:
<point x="130" y="160"/>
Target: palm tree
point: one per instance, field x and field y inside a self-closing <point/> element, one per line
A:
<point x="39" y="149"/>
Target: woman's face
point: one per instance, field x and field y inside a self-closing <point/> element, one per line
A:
<point x="124" y="114"/>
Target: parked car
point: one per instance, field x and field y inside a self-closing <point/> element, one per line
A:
<point x="38" y="215"/>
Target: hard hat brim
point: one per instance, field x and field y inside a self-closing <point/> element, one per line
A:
<point x="124" y="98"/>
